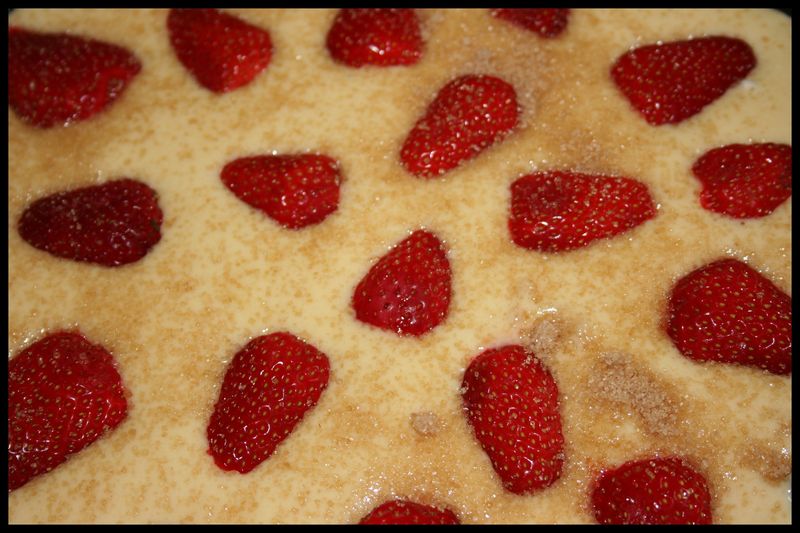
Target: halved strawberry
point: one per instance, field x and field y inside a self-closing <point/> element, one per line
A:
<point x="652" y="491"/>
<point x="511" y="402"/>
<point x="726" y="311"/>
<point x="670" y="82"/>
<point x="469" y="114"/>
<point x="221" y="51"/>
<point x="745" y="180"/>
<point x="408" y="290"/>
<point x="547" y="22"/>
<point x="296" y="190"/>
<point x="55" y="79"/>
<point x="268" y="388"/>
<point x="380" y="37"/>
<point x="64" y="393"/>
<point x="404" y="512"/>
<point x="561" y="210"/>
<point x="111" y="224"/>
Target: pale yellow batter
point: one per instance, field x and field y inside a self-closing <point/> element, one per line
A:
<point x="224" y="273"/>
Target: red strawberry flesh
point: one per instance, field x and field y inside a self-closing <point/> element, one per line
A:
<point x="64" y="393"/>
<point x="745" y="180"/>
<point x="670" y="82"/>
<point x="55" y="79"/>
<point x="111" y="224"/>
<point x="561" y="211"/>
<point x="547" y="22"/>
<point x="268" y="388"/>
<point x="652" y="491"/>
<point x="404" y="512"/>
<point x="511" y="402"/>
<point x="408" y="290"/>
<point x="377" y="37"/>
<point x="727" y="312"/>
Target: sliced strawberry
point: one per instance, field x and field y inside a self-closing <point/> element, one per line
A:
<point x="64" y="393"/>
<point x="221" y="51"/>
<point x="111" y="224"/>
<point x="652" y="491"/>
<point x="404" y="512"/>
<point x="547" y="22"/>
<point x="55" y="79"/>
<point x="670" y="82"/>
<point x="558" y="211"/>
<point x="408" y="290"/>
<point x="380" y="37"/>
<point x="727" y="312"/>
<point x="268" y="388"/>
<point x="294" y="190"/>
<point x="511" y="402"/>
<point x="468" y="115"/>
<point x="745" y="180"/>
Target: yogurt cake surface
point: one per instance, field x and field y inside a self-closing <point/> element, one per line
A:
<point x="391" y="423"/>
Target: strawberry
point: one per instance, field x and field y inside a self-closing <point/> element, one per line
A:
<point x="64" y="393"/>
<point x="670" y="82"/>
<point x="511" y="402"/>
<point x="111" y="224"/>
<point x="221" y="51"/>
<point x="547" y="22"/>
<point x="408" y="290"/>
<point x="468" y="115"/>
<point x="745" y="180"/>
<point x="727" y="312"/>
<point x="558" y="211"/>
<point x="652" y="492"/>
<point x="294" y="190"/>
<point x="268" y="388"/>
<point x="404" y="512"/>
<point x="379" y="37"/>
<point x="56" y="79"/>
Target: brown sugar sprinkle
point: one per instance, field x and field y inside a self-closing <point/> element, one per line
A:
<point x="618" y="379"/>
<point x="772" y="461"/>
<point x="426" y="423"/>
<point x="543" y="335"/>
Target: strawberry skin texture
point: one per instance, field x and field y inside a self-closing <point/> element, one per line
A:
<point x="111" y="224"/>
<point x="221" y="51"/>
<point x="547" y="22"/>
<point x="55" y="79"/>
<point x="727" y="312"/>
<point x="377" y="37"/>
<point x="468" y="115"/>
<point x="511" y="402"/>
<point x="670" y="82"/>
<point x="404" y="512"/>
<point x="652" y="491"/>
<point x="64" y="393"/>
<point x="745" y="180"/>
<point x="268" y="388"/>
<point x="561" y="211"/>
<point x="294" y="190"/>
<point x="408" y="290"/>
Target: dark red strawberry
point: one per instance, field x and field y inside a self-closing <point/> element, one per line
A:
<point x="404" y="512"/>
<point x="558" y="211"/>
<point x="511" y="402"/>
<point x="221" y="51"/>
<point x="745" y="180"/>
<point x="268" y="388"/>
<point x="652" y="491"/>
<point x="294" y="190"/>
<point x="408" y="290"/>
<point x="55" y="79"/>
<point x="670" y="82"/>
<point x="111" y="224"/>
<point x="727" y="312"/>
<point x="64" y="393"/>
<point x="468" y="115"/>
<point x="547" y="22"/>
<point x="380" y="37"/>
